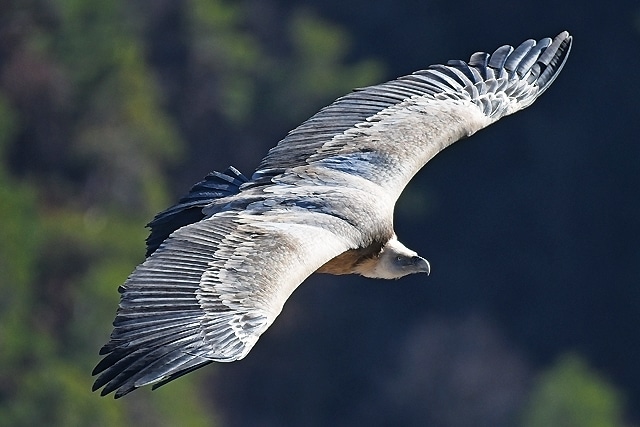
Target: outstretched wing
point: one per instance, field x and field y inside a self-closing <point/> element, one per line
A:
<point x="220" y="268"/>
<point x="386" y="133"/>
<point x="210" y="290"/>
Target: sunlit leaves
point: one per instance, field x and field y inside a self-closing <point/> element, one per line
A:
<point x="570" y="394"/>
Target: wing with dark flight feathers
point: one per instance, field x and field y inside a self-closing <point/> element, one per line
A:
<point x="210" y="290"/>
<point x="223" y="261"/>
<point x="387" y="132"/>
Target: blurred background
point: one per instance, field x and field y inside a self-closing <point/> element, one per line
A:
<point x="111" y="110"/>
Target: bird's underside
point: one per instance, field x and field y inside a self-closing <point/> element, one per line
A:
<point x="222" y="262"/>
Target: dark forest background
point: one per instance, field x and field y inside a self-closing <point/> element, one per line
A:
<point x="110" y="110"/>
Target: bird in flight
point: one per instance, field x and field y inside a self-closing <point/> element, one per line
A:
<point x="221" y="263"/>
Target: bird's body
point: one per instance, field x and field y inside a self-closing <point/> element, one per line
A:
<point x="222" y="262"/>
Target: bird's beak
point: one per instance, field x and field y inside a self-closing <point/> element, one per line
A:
<point x="422" y="265"/>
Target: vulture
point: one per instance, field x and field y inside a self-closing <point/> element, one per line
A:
<point x="221" y="263"/>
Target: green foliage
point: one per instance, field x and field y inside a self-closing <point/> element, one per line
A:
<point x="230" y="55"/>
<point x="55" y="393"/>
<point x="8" y="127"/>
<point x="254" y="80"/>
<point x="321" y="49"/>
<point x="316" y="74"/>
<point x="570" y="394"/>
<point x="19" y="240"/>
<point x="70" y="236"/>
<point x="72" y="230"/>
<point x="121" y="127"/>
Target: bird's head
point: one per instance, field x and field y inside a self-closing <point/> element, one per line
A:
<point x="394" y="261"/>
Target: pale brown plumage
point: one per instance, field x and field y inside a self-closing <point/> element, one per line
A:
<point x="349" y="262"/>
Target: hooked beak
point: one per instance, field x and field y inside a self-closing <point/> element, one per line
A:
<point x="422" y="265"/>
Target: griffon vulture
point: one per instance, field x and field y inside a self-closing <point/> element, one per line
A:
<point x="222" y="262"/>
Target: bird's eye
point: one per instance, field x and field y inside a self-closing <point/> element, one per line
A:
<point x="398" y="258"/>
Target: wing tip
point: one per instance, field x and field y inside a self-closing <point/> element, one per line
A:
<point x="523" y="73"/>
<point x="553" y="59"/>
